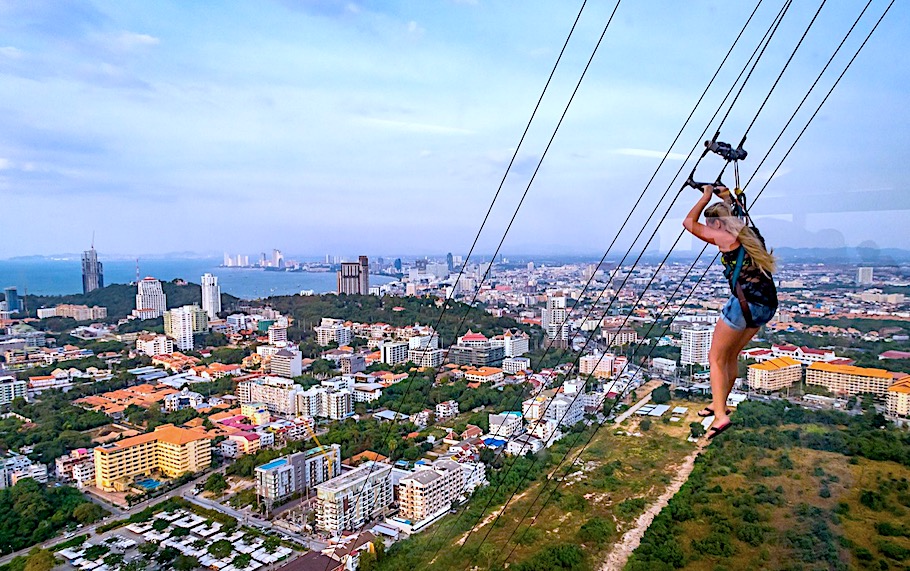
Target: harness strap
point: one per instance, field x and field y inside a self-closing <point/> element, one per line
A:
<point x="738" y="289"/>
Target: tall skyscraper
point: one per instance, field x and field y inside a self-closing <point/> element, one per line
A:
<point x="450" y="261"/>
<point x="354" y="277"/>
<point x="150" y="300"/>
<point x="12" y="299"/>
<point x="864" y="276"/>
<point x="696" y="344"/>
<point x="211" y="295"/>
<point x="92" y="271"/>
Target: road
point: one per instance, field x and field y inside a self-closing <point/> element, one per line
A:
<point x="248" y="519"/>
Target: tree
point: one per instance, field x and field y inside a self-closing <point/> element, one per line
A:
<point x="645" y="425"/>
<point x="166" y="555"/>
<point x="242" y="560"/>
<point x="271" y="544"/>
<point x="221" y="549"/>
<point x="39" y="560"/>
<point x="149" y="548"/>
<point x="180" y="532"/>
<point x="160" y="525"/>
<point x="113" y="559"/>
<point x="216" y="484"/>
<point x="367" y="561"/>
<point x="661" y="395"/>
<point x="696" y="429"/>
<point x="185" y="563"/>
<point x="88" y="513"/>
<point x="135" y="565"/>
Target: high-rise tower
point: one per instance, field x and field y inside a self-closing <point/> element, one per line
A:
<point x="354" y="277"/>
<point x="92" y="271"/>
<point x="211" y="296"/>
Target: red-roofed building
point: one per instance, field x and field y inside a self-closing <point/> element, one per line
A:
<point x="894" y="355"/>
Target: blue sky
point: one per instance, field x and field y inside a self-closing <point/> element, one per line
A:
<point x="385" y="127"/>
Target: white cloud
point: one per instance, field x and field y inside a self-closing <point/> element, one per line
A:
<point x="5" y="164"/>
<point x="10" y="52"/>
<point x="414" y="127"/>
<point x="650" y="154"/>
<point x="414" y="29"/>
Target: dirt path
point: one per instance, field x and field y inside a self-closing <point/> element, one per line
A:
<point x="622" y="550"/>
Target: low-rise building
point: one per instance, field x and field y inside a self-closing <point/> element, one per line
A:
<point x="151" y="344"/>
<point x="447" y="409"/>
<point x="484" y="375"/>
<point x="774" y="374"/>
<point x="184" y="399"/>
<point x="849" y="380"/>
<point x="78" y="466"/>
<point x="505" y="424"/>
<point x="512" y="365"/>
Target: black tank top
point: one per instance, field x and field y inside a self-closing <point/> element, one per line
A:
<point x="758" y="286"/>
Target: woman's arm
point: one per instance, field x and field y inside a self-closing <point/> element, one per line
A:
<point x="691" y="223"/>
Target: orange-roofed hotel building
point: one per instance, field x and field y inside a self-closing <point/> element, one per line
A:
<point x="774" y="374"/>
<point x="849" y="380"/>
<point x="169" y="450"/>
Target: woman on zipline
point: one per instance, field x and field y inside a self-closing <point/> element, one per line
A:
<point x="748" y="267"/>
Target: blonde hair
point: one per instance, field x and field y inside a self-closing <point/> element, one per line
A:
<point x="761" y="257"/>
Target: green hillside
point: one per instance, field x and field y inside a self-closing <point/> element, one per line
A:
<point x="120" y="299"/>
<point x="789" y="489"/>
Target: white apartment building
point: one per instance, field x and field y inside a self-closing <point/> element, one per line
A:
<point x="432" y="358"/>
<point x="367" y="392"/>
<point x="423" y="342"/>
<point x="512" y="365"/>
<point x="182" y="322"/>
<point x="333" y="330"/>
<point x="447" y="409"/>
<point x="337" y="405"/>
<point x="696" y="344"/>
<point x="505" y="424"/>
<point x="430" y="491"/>
<point x="78" y="466"/>
<point x="12" y="388"/>
<point x="598" y="365"/>
<point x="565" y="410"/>
<point x="349" y="501"/>
<point x="286" y="363"/>
<point x="553" y="317"/>
<point x="151" y="344"/>
<point x="615" y="336"/>
<point x="150" y="299"/>
<point x="514" y="344"/>
<point x="280" y="395"/>
<point x="211" y="296"/>
<point x="394" y="352"/>
<point x="278" y="334"/>
<point x="805" y="355"/>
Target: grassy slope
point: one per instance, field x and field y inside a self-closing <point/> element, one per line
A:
<point x="751" y="504"/>
<point x="612" y="473"/>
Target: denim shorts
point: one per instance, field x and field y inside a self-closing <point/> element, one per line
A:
<point x="732" y="314"/>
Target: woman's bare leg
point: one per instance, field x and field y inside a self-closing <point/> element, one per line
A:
<point x="724" y="343"/>
<point x="733" y="367"/>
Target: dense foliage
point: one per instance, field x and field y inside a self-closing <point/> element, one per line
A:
<point x="307" y="312"/>
<point x="764" y="447"/>
<point x="120" y="299"/>
<point x="31" y="512"/>
<point x="55" y="429"/>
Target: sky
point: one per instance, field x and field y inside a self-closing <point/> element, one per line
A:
<point x="366" y="127"/>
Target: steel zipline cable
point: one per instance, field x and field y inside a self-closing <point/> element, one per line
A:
<point x="760" y="50"/>
<point x="641" y="296"/>
<point x="625" y="222"/>
<point x="780" y="163"/>
<point x="435" y="329"/>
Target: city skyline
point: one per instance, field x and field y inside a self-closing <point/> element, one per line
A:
<point x="326" y="122"/>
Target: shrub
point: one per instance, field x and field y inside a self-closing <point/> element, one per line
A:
<point x="596" y="530"/>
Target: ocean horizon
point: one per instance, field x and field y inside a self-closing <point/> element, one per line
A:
<point x="64" y="277"/>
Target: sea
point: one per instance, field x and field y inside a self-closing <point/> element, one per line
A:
<point x="43" y="276"/>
